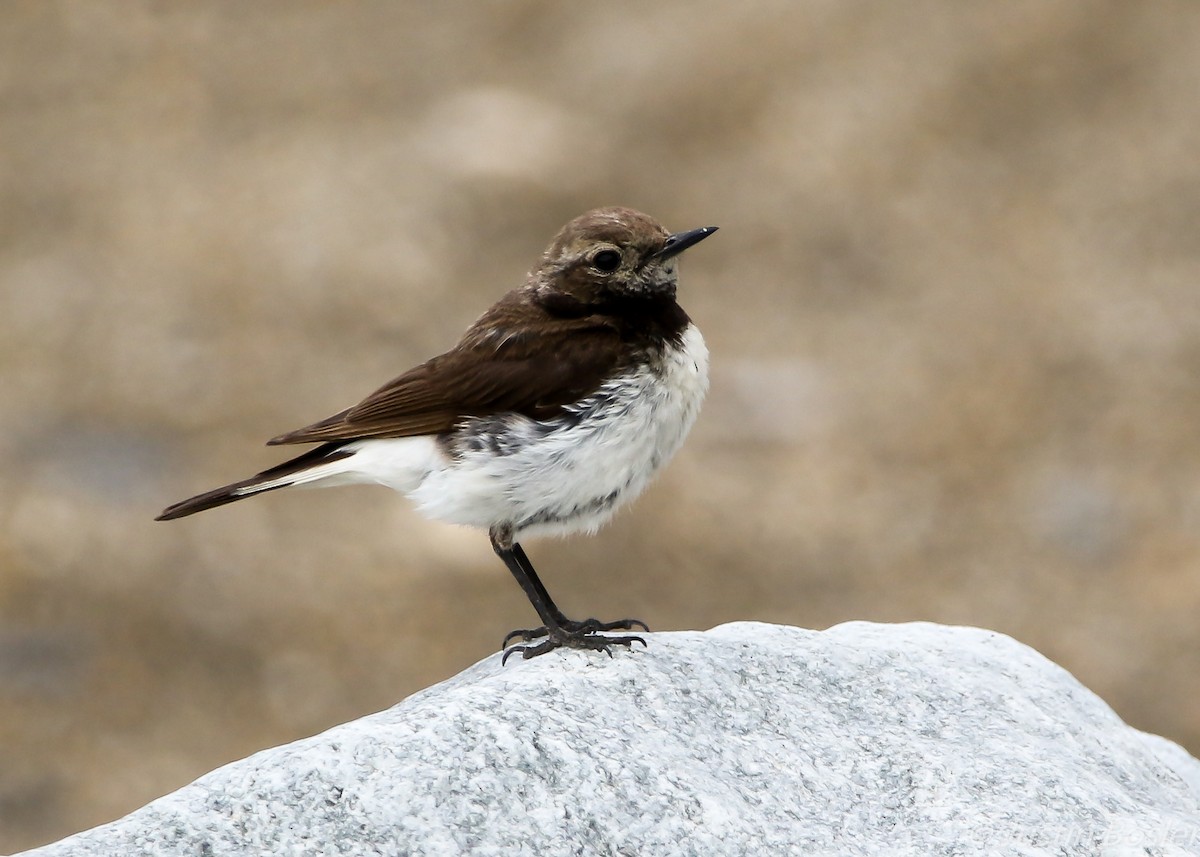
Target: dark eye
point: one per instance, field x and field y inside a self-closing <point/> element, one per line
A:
<point x="606" y="261"/>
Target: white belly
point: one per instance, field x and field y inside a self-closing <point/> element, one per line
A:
<point x="555" y="477"/>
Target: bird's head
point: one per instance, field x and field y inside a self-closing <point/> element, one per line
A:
<point x="614" y="254"/>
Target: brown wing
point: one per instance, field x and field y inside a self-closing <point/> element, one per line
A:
<point x="532" y="370"/>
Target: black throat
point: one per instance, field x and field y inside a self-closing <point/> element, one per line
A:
<point x="641" y="321"/>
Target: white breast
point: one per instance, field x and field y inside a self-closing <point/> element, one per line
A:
<point x="559" y="476"/>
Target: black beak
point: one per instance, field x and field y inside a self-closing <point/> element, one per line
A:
<point x="680" y="241"/>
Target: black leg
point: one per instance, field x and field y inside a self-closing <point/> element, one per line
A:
<point x="556" y="628"/>
<point x="527" y="567"/>
<point x="586" y="626"/>
<point x="512" y="555"/>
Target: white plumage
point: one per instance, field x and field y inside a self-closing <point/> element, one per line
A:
<point x="553" y="477"/>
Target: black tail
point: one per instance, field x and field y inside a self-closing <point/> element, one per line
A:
<point x="212" y="499"/>
<point x="322" y="454"/>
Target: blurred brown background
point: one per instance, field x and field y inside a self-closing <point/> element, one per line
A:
<point x="954" y="310"/>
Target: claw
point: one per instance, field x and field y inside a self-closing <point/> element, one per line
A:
<point x="571" y="626"/>
<point x="525" y="634"/>
<point x="561" y="637"/>
<point x="589" y="626"/>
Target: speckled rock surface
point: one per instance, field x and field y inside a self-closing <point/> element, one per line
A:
<point x="747" y="739"/>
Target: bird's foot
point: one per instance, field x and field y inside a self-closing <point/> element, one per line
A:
<point x="587" y="626"/>
<point x="557" y="638"/>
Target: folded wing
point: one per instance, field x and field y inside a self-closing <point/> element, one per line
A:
<point x="515" y="369"/>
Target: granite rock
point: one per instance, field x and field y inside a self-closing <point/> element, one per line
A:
<point x="753" y="739"/>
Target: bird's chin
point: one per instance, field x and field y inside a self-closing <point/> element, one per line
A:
<point x="651" y="290"/>
<point x="662" y="291"/>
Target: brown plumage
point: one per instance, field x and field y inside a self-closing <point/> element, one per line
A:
<point x="517" y="358"/>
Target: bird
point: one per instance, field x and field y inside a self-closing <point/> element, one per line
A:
<point x="557" y="406"/>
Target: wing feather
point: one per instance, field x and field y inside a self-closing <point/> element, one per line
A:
<point x="527" y="369"/>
